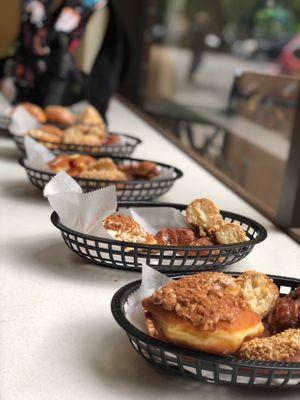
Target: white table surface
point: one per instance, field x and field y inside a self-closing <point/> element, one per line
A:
<point x="58" y="339"/>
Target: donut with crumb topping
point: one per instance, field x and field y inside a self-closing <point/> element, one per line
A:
<point x="284" y="346"/>
<point x="204" y="312"/>
<point x="124" y="228"/>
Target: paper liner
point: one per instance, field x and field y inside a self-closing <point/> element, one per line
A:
<point x="84" y="212"/>
<point x="22" y="121"/>
<point x="37" y="155"/>
<point x="151" y="281"/>
<point x="5" y="106"/>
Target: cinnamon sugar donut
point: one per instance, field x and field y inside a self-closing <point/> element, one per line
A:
<point x="284" y="346"/>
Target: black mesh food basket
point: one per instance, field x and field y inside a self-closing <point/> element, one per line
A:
<point x="167" y="259"/>
<point x="124" y="148"/>
<point x="203" y="366"/>
<point x="133" y="190"/>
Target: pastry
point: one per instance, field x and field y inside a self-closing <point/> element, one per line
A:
<point x="73" y="164"/>
<point x="204" y="214"/>
<point x="60" y="115"/>
<point x="90" y="116"/>
<point x="258" y="291"/>
<point x="52" y="129"/>
<point x="204" y="311"/>
<point x="112" y="140"/>
<point x="286" y="312"/>
<point x="105" y="163"/>
<point x="141" y="170"/>
<point x="104" y="174"/>
<point x="175" y="237"/>
<point x="36" y="111"/>
<point x="124" y="228"/>
<point x="230" y="233"/>
<point x="40" y="134"/>
<point x="284" y="346"/>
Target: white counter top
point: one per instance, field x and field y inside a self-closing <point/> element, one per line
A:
<point x="58" y="339"/>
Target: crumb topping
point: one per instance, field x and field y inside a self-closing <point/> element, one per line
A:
<point x="280" y="347"/>
<point x="204" y="299"/>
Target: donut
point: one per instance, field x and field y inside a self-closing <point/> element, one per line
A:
<point x="230" y="233"/>
<point x="175" y="236"/>
<point x="284" y="346"/>
<point x="258" y="291"/>
<point x="124" y="228"/>
<point x="204" y="214"/>
<point x="142" y="170"/>
<point x="40" y="134"/>
<point x="286" y="312"/>
<point x="51" y="129"/>
<point x="105" y="163"/>
<point x="90" y="116"/>
<point x="60" y="115"/>
<point x="204" y="312"/>
<point x="74" y="164"/>
<point x="104" y="174"/>
<point x="36" y="111"/>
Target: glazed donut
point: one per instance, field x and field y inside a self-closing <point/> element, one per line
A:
<point x="124" y="228"/>
<point x="175" y="237"/>
<point x="258" y="291"/>
<point x="230" y="233"/>
<point x="286" y="313"/>
<point x="203" y="312"/>
<point x="284" y="346"/>
<point x="60" y="115"/>
<point x="142" y="170"/>
<point x="36" y="111"/>
<point x="204" y="214"/>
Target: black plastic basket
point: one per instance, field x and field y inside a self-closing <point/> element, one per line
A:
<point x="203" y="366"/>
<point x="124" y="148"/>
<point x="133" y="190"/>
<point x="167" y="259"/>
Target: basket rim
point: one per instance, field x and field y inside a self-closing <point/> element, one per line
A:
<point x="178" y="172"/>
<point x="261" y="235"/>
<point x="137" y="141"/>
<point x="125" y="324"/>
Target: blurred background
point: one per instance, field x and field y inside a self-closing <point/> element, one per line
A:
<point x="220" y="77"/>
